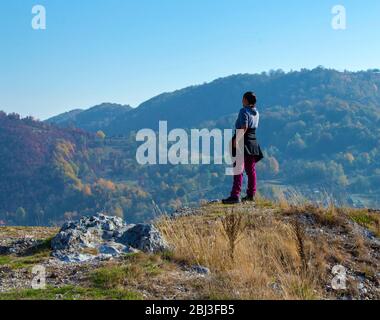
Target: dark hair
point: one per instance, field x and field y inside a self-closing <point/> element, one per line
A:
<point x="251" y="98"/>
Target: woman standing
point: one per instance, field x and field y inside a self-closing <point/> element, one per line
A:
<point x="248" y="121"/>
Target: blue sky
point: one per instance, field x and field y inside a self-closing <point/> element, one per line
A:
<point x="127" y="51"/>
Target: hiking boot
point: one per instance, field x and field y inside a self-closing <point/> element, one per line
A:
<point x="231" y="200"/>
<point x="248" y="199"/>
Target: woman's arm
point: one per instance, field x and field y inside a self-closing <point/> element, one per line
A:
<point x="234" y="139"/>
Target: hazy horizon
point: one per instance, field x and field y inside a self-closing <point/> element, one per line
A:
<point x="86" y="107"/>
<point x="128" y="52"/>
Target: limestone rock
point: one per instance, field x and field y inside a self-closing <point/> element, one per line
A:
<point x="144" y="237"/>
<point x="103" y="237"/>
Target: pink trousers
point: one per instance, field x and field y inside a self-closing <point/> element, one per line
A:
<point x="250" y="169"/>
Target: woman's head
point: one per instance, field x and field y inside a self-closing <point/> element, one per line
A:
<point x="249" y="99"/>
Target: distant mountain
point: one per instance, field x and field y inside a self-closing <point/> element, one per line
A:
<point x="99" y="117"/>
<point x="198" y="105"/>
<point x="319" y="127"/>
<point x="50" y="174"/>
<point x="67" y="118"/>
<point x="29" y="172"/>
<point x="320" y="130"/>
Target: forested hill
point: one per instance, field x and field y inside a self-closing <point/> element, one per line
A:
<point x="102" y="115"/>
<point x="33" y="158"/>
<point x="308" y="95"/>
<point x="320" y="130"/>
<point x="49" y="174"/>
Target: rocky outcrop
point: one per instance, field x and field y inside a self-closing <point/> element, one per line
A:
<point x="102" y="237"/>
<point x="144" y="237"/>
<point x="20" y="247"/>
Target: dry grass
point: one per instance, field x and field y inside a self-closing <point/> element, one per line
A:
<point x="366" y="218"/>
<point x="264" y="252"/>
<point x="282" y="250"/>
<point x="233" y="226"/>
<point x="9" y="233"/>
<point x="135" y="269"/>
<point x="268" y="259"/>
<point x="300" y="237"/>
<point x="330" y="216"/>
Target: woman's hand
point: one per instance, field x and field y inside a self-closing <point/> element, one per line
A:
<point x="233" y="142"/>
<point x="234" y="139"/>
<point x="240" y="137"/>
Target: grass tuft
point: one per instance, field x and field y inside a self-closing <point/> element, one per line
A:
<point x="134" y="269"/>
<point x="35" y="255"/>
<point x="71" y="293"/>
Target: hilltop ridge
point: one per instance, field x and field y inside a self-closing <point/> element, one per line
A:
<point x="92" y="119"/>
<point x="267" y="251"/>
